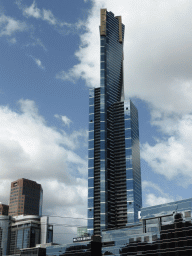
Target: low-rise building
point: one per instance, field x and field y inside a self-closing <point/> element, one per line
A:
<point x="21" y="232"/>
<point x="163" y="230"/>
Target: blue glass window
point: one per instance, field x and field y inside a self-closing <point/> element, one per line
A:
<point x="129" y="174"/>
<point x="102" y="165"/>
<point x="127" y="123"/>
<point x="128" y="133"/>
<point x="91" y="163"/>
<point x="102" y="125"/>
<point x="128" y="151"/>
<point x="19" y="238"/>
<point x="102" y="154"/>
<point x="102" y="186"/>
<point x="102" y="50"/>
<point x="130" y="195"/>
<point x="90" y="223"/>
<point x="91" y="144"/>
<point x="102" y="217"/>
<point x="102" y="73"/>
<point x="91" y="135"/>
<point x="102" y="80"/>
<point x="91" y="172"/>
<point x="102" y="135"/>
<point x="130" y="206"/>
<point x="90" y="192"/>
<point x="91" y="117"/>
<point x="102" y="144"/>
<point x="129" y="184"/>
<point x="91" y="101"/>
<point x="102" y="208"/>
<point x="102" y="66"/>
<point x="130" y="217"/>
<point x="102" y="197"/>
<point x="90" y="213"/>
<point x="26" y="238"/>
<point x="128" y="143"/>
<point x="91" y="182"/>
<point x="91" y="109"/>
<point x="91" y="153"/>
<point x="90" y="203"/>
<point x="102" y="42"/>
<point x="103" y="57"/>
<point x="91" y="126"/>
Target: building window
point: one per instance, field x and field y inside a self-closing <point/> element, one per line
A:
<point x="138" y="239"/>
<point x="131" y="240"/>
<point x="188" y="214"/>
<point x="154" y="237"/>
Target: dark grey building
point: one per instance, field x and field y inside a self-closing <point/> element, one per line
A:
<point x="4" y="209"/>
<point x="114" y="176"/>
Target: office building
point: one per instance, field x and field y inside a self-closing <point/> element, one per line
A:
<point x="162" y="230"/>
<point x="21" y="232"/>
<point x="4" y="233"/>
<point x="25" y="198"/>
<point x="4" y="209"/>
<point x="28" y="231"/>
<point x="114" y="176"/>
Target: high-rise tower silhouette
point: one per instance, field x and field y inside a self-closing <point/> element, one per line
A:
<point x="114" y="176"/>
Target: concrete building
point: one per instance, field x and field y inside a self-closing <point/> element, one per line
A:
<point x="26" y="198"/>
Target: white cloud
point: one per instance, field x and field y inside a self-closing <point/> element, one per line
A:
<point x="31" y="149"/>
<point x="45" y="15"/>
<point x="65" y="119"/>
<point x="9" y="26"/>
<point x="38" y="62"/>
<point x="152" y="200"/>
<point x="13" y="40"/>
<point x="171" y="156"/>
<point x="48" y="16"/>
<point x="157" y="195"/>
<point x="32" y="11"/>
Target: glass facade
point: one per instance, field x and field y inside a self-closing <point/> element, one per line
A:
<point x="27" y="232"/>
<point x="4" y="234"/>
<point x="114" y="176"/>
<point x="162" y="230"/>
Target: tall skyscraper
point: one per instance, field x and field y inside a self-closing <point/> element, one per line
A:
<point x="25" y="198"/>
<point x="114" y="175"/>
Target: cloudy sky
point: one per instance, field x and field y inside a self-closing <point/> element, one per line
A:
<point x="49" y="59"/>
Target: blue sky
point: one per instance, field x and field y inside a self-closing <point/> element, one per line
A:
<point x="50" y="58"/>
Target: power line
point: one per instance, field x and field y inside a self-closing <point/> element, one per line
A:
<point x="66" y="217"/>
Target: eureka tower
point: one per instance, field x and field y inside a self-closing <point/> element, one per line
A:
<point x="114" y="175"/>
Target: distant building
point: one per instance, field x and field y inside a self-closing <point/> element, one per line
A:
<point x="21" y="232"/>
<point x="25" y="198"/>
<point x="82" y="231"/>
<point x="4" y="209"/>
